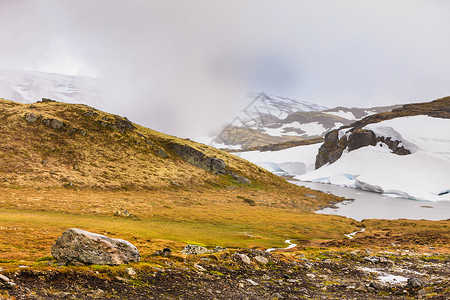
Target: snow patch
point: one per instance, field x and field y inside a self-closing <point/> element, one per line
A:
<point x="422" y="175"/>
<point x="343" y="114"/>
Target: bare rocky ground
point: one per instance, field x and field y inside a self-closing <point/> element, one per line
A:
<point x="311" y="273"/>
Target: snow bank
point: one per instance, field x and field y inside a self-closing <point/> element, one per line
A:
<point x="422" y="175"/>
<point x="291" y="161"/>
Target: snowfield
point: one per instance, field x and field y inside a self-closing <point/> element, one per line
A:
<point x="291" y="161"/>
<point x="422" y="175"/>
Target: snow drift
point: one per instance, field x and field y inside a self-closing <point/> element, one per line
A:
<point x="422" y="175"/>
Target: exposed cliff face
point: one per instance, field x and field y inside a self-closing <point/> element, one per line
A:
<point x="332" y="148"/>
<point x="354" y="136"/>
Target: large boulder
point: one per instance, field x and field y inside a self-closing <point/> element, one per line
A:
<point x="199" y="159"/>
<point x="361" y="138"/>
<point x="79" y="247"/>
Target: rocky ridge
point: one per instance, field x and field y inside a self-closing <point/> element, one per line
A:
<point x="356" y="137"/>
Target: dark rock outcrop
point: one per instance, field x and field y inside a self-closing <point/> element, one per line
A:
<point x="333" y="147"/>
<point x="199" y="159"/>
<point x="361" y="138"/>
<point x="79" y="247"/>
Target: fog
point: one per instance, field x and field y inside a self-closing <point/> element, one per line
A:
<point x="182" y="66"/>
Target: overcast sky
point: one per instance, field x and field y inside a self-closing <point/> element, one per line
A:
<point x="180" y="66"/>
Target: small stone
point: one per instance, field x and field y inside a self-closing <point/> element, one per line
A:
<point x="261" y="259"/>
<point x="241" y="285"/>
<point x="194" y="250"/>
<point x="98" y="294"/>
<point x="372" y="259"/>
<point x="131" y="271"/>
<point x="29" y="117"/>
<point x="198" y="267"/>
<point x="422" y="292"/>
<point x="121" y="279"/>
<point x="252" y="282"/>
<point x="4" y="278"/>
<point x="414" y="283"/>
<point x="277" y="296"/>
<point x="244" y="258"/>
<point x="375" y="285"/>
<point x="124" y="213"/>
<point x="265" y="277"/>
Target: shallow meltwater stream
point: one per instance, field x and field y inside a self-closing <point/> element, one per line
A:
<point x="370" y="205"/>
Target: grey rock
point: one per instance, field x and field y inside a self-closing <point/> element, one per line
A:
<point x="4" y="278"/>
<point x="261" y="259"/>
<point x="361" y="138"/>
<point x="131" y="272"/>
<point x="372" y="259"/>
<point x="252" y="282"/>
<point x="160" y="152"/>
<point x="199" y="159"/>
<point x="48" y="100"/>
<point x="194" y="250"/>
<point x="30" y="117"/>
<point x="53" y="123"/>
<point x="244" y="258"/>
<point x="375" y="285"/>
<point x="414" y="283"/>
<point x="239" y="178"/>
<point x="124" y="213"/>
<point x="80" y="247"/>
<point x="164" y="252"/>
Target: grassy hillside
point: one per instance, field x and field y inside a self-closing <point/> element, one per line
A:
<point x="53" y="144"/>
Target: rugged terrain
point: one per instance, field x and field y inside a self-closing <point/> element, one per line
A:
<point x="334" y="145"/>
<point x="273" y="122"/>
<point x="381" y="263"/>
<point x="66" y="165"/>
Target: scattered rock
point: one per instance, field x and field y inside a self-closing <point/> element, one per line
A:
<point x="124" y="213"/>
<point x="414" y="283"/>
<point x="199" y="159"/>
<point x="131" y="271"/>
<point x="216" y="249"/>
<point x="422" y="292"/>
<point x="98" y="294"/>
<point x="160" y="152"/>
<point x="198" y="267"/>
<point x="239" y="178"/>
<point x="372" y="259"/>
<point x="53" y="123"/>
<point x="261" y="259"/>
<point x="243" y="257"/>
<point x="30" y="117"/>
<point x="164" y="252"/>
<point x="47" y="100"/>
<point x="194" y="250"/>
<point x="4" y="278"/>
<point x="79" y="247"/>
<point x="375" y="285"/>
<point x="252" y="282"/>
<point x="121" y="279"/>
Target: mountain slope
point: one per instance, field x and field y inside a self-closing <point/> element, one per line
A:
<point x="272" y="120"/>
<point x="53" y="144"/>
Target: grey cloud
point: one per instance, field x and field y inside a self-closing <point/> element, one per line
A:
<point x="180" y="66"/>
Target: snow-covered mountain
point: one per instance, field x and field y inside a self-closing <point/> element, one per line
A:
<point x="404" y="153"/>
<point x="422" y="174"/>
<point x="30" y="86"/>
<point x="274" y="119"/>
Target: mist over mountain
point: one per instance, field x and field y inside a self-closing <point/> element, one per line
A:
<point x="274" y="119"/>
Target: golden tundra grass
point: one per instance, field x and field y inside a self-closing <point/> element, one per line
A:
<point x="31" y="220"/>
